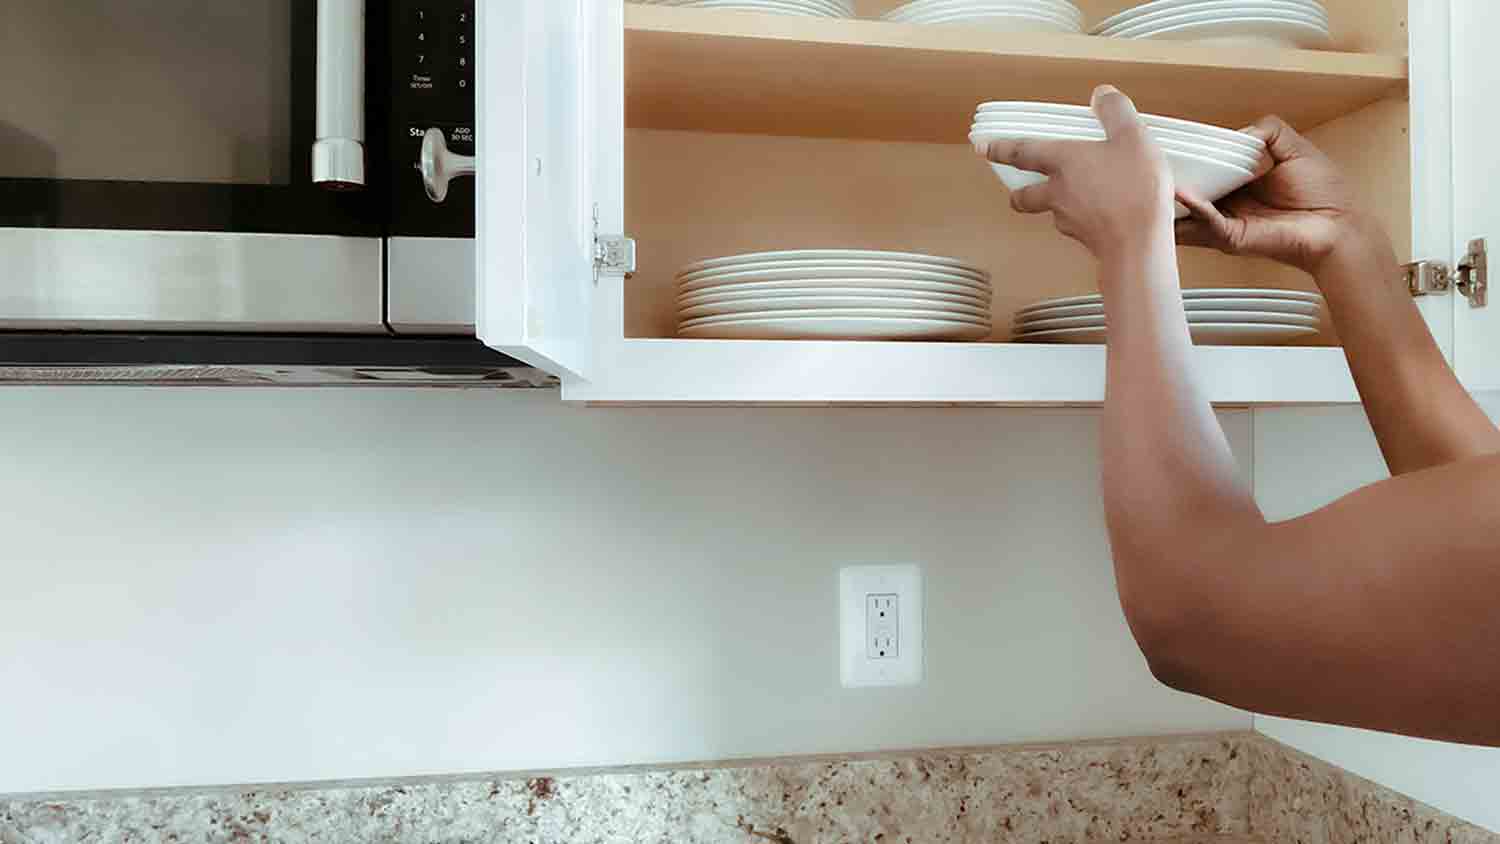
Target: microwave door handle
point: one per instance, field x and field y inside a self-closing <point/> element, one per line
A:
<point x="338" y="153"/>
<point x="438" y="164"/>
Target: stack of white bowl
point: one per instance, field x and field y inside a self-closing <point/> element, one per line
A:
<point x="1270" y="23"/>
<point x="1216" y="317"/>
<point x="807" y="8"/>
<point x="833" y="294"/>
<point x="1013" y="15"/>
<point x="1208" y="161"/>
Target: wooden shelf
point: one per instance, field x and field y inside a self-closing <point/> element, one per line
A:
<point x="744" y="72"/>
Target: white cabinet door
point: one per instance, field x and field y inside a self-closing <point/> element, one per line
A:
<point x="1476" y="175"/>
<point x="550" y="126"/>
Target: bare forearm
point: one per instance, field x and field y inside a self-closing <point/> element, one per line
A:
<point x="1171" y="488"/>
<point x="1420" y="413"/>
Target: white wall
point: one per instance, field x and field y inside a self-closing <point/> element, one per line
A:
<point x="206" y="586"/>
<point x="1303" y="460"/>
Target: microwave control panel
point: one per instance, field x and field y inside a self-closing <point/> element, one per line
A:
<point x="432" y="86"/>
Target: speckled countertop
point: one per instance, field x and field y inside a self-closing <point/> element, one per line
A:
<point x="1220" y="788"/>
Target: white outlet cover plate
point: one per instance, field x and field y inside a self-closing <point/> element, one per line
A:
<point x="856" y="583"/>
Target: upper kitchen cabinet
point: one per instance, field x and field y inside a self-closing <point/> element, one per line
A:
<point x="1476" y="172"/>
<point x="699" y="133"/>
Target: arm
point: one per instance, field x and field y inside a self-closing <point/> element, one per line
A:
<point x="1300" y="213"/>
<point x="1356" y="614"/>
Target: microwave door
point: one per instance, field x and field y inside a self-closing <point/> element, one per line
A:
<point x="168" y="165"/>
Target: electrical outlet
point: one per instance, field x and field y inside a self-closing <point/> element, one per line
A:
<point x="880" y="626"/>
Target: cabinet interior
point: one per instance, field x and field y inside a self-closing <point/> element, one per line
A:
<point x="693" y="193"/>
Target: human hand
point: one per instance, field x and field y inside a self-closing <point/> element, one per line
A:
<point x="1113" y="197"/>
<point x="1299" y="213"/>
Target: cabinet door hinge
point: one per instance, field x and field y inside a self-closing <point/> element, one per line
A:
<point x="1471" y="278"/>
<point x="614" y="254"/>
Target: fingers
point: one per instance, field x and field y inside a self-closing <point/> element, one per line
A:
<point x="1035" y="199"/>
<point x="1192" y="231"/>
<point x="1036" y="156"/>
<point x="1201" y="209"/>
<point x="1282" y="141"/>
<point x="1207" y="226"/>
<point x="1116" y="112"/>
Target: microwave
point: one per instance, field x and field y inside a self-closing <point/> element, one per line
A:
<point x="277" y="191"/>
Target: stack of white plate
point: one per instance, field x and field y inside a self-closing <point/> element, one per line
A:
<point x="1208" y="161"/>
<point x="808" y="8"/>
<point x="833" y="294"/>
<point x="1013" y="15"/>
<point x="1275" y="23"/>
<point x="1216" y="317"/>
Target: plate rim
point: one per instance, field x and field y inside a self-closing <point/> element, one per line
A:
<point x="837" y="313"/>
<point x="1191" y="293"/>
<point x="1153" y="6"/>
<point x="793" y="254"/>
<point x="1021" y="329"/>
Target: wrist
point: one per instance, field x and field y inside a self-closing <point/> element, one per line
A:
<point x="1359" y="249"/>
<point x="1143" y="246"/>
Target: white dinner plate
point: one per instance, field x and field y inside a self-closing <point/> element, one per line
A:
<point x="1275" y="306"/>
<point x="1137" y="12"/>
<point x="1217" y="10"/>
<point x="837" y="7"/>
<point x="1058" y="7"/>
<point x="828" y="255"/>
<point x="1247" y="31"/>
<point x="1252" y="150"/>
<point x="1216" y="152"/>
<point x="1194" y="317"/>
<point x="1192" y="293"/>
<point x="784" y="7"/>
<point x="1209" y="178"/>
<point x="838" y="328"/>
<point x="1172" y="20"/>
<point x="855" y="287"/>
<point x="1205" y="334"/>
<point x="1011" y="21"/>
<point x="846" y="275"/>
<point x="991" y="109"/>
<point x="873" y="286"/>
<point x="848" y="264"/>
<point x="764" y="306"/>
<point x="977" y="7"/>
<point x="843" y="313"/>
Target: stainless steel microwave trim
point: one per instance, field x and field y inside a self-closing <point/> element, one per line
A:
<point x="430" y="285"/>
<point x="338" y="153"/>
<point x="120" y="280"/>
<point x="259" y="359"/>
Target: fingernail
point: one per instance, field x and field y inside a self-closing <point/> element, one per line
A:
<point x="1104" y="89"/>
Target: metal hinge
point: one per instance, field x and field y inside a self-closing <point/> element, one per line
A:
<point x="614" y="254"/>
<point x="1471" y="278"/>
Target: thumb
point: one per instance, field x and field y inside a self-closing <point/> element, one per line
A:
<point x="1116" y="112"/>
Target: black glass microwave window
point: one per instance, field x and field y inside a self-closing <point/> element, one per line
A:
<point x="174" y="114"/>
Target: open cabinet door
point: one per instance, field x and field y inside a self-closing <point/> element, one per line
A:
<point x="1476" y="177"/>
<point x="550" y="140"/>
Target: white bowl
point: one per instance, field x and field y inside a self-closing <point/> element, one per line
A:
<point x="997" y="108"/>
<point x="1248" y="145"/>
<point x="1212" y="180"/>
<point x="1164" y="138"/>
